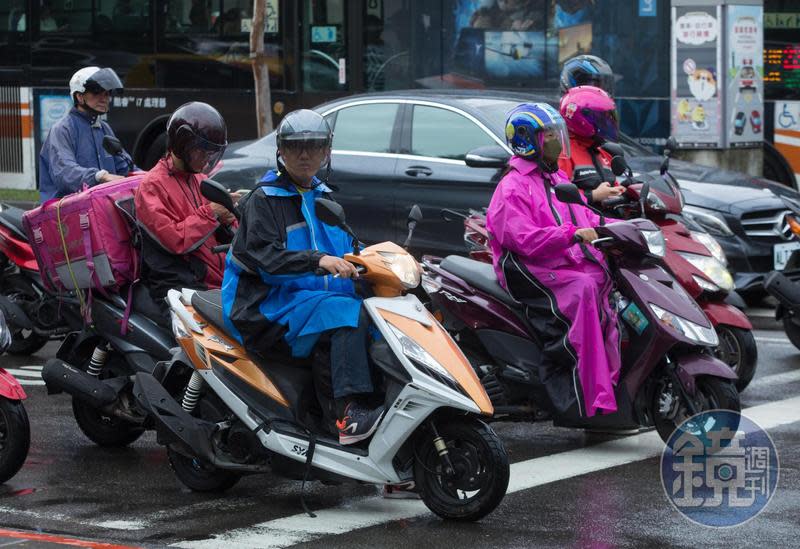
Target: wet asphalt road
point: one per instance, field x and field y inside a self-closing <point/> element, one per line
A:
<point x="69" y="487"/>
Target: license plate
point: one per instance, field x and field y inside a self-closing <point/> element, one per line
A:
<point x="782" y="252"/>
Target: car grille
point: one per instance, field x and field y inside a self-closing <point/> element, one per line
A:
<point x="767" y="224"/>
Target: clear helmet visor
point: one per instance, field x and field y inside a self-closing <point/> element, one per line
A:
<point x="553" y="137"/>
<point x="104" y="79"/>
<point x="204" y="155"/>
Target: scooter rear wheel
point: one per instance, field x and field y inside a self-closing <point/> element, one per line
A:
<point x="21" y="292"/>
<point x="669" y="411"/>
<point x="15" y="437"/>
<point x="481" y="471"/>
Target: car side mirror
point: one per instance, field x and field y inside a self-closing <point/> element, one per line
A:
<point x="112" y="145"/>
<point x="568" y="193"/>
<point x="618" y="165"/>
<point x="217" y="193"/>
<point x="490" y="156"/>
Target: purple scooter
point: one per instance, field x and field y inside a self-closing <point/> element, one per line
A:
<point x="669" y="372"/>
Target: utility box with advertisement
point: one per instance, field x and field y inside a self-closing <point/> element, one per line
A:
<point x="717" y="73"/>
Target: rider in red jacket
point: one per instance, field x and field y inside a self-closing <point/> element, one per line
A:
<point x="180" y="226"/>
<point x="591" y="118"/>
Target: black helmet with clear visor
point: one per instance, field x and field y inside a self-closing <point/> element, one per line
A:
<point x="587" y="70"/>
<point x="197" y="135"/>
<point x="304" y="129"/>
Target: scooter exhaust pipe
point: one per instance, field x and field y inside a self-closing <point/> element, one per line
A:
<point x="62" y="377"/>
<point x="783" y="289"/>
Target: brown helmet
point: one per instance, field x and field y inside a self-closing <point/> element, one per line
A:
<point x="195" y="126"/>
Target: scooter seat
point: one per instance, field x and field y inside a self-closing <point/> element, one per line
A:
<point x="479" y="275"/>
<point x="11" y="217"/>
<point x="208" y="304"/>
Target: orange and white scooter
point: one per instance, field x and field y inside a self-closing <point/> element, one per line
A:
<point x="239" y="414"/>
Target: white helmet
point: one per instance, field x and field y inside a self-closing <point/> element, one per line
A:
<point x="94" y="79"/>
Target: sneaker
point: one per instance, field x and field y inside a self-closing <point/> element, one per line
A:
<point x="406" y="490"/>
<point x="358" y="423"/>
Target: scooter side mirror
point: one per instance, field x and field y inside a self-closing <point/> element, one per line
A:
<point x="415" y="215"/>
<point x="568" y="193"/>
<point x="670" y="146"/>
<point x="614" y="149"/>
<point x="217" y="193"/>
<point x="619" y="166"/>
<point x="330" y="212"/>
<point x="643" y="194"/>
<point x="112" y="145"/>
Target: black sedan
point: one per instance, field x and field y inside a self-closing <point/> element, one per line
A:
<point x="395" y="149"/>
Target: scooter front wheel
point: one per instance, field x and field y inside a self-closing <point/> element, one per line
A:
<point x="15" y="437"/>
<point x="480" y="474"/>
<point x="670" y="410"/>
<point x="737" y="348"/>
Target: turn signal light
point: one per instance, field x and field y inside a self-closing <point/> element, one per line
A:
<point x="793" y="224"/>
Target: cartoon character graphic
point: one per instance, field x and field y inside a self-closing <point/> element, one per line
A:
<point x="699" y="118"/>
<point x="684" y="110"/>
<point x="702" y="84"/>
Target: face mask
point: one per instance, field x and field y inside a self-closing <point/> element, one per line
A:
<point x="551" y="149"/>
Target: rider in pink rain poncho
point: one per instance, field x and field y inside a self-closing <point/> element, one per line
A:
<point x="542" y="257"/>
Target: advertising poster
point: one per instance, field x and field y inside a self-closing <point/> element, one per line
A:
<point x="51" y="109"/>
<point x="696" y="95"/>
<point x="744" y="59"/>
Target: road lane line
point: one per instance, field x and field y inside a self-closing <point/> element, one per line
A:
<point x="287" y="531"/>
<point x="785" y="377"/>
<point x="59" y="540"/>
<point x="774" y="341"/>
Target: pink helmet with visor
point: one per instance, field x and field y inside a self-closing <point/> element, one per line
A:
<point x="590" y="112"/>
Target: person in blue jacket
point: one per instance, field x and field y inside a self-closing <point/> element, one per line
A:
<point x="272" y="299"/>
<point x="72" y="153"/>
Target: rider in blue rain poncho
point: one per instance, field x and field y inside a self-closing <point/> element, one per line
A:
<point x="274" y="299"/>
<point x="72" y="153"/>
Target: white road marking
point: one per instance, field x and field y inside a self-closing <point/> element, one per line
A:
<point x="124" y="524"/>
<point x="287" y="531"/>
<point x="27" y="375"/>
<point x="785" y="377"/>
<point x="780" y="340"/>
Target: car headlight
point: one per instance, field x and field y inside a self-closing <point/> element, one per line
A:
<point x="712" y="268"/>
<point x="655" y="242"/>
<point x="708" y="220"/>
<point x="404" y="267"/>
<point x="711" y="243"/>
<point x="420" y="356"/>
<point x="689" y="329"/>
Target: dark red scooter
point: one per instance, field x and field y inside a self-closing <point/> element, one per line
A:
<point x="692" y="256"/>
<point x="668" y="373"/>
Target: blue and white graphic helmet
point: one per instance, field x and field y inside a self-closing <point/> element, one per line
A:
<point x="527" y="125"/>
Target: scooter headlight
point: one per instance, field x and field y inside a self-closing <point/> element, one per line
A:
<point x="687" y="328"/>
<point x="655" y="242"/>
<point x="404" y="266"/>
<point x="178" y="329"/>
<point x="421" y="357"/>
<point x="706" y="285"/>
<point x="712" y="268"/>
<point x="711" y="243"/>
